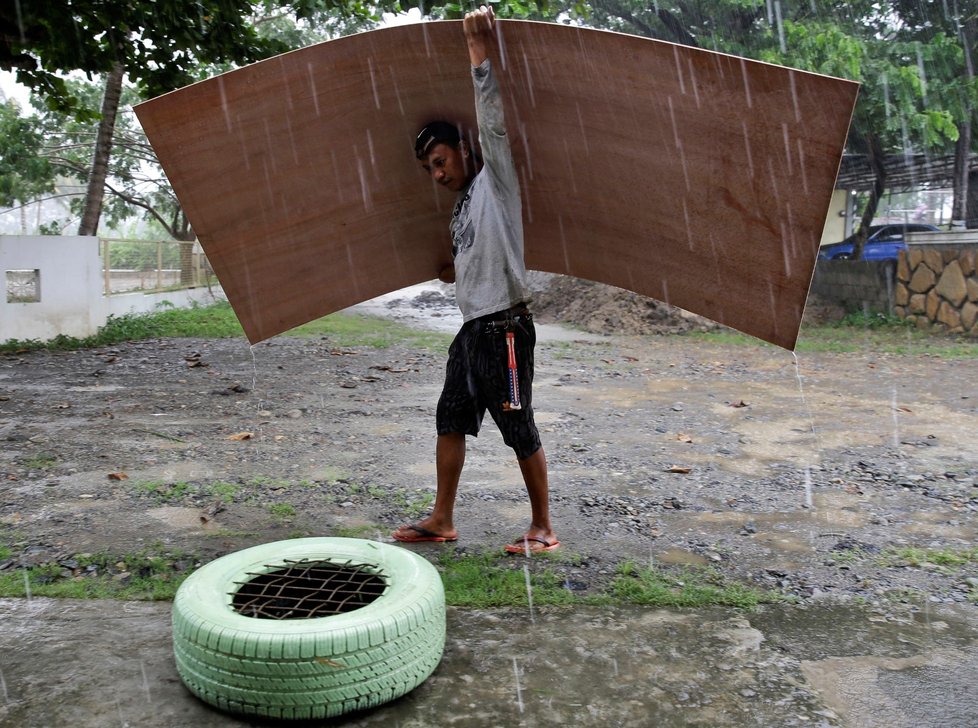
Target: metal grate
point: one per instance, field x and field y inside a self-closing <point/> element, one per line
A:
<point x="305" y="589"/>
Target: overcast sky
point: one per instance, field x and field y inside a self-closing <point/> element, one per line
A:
<point x="13" y="90"/>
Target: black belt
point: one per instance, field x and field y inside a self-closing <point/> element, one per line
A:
<point x="519" y="309"/>
<point x="507" y="319"/>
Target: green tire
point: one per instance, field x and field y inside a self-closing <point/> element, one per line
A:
<point x="318" y="667"/>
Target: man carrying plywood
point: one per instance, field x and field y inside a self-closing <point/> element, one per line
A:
<point x="490" y="362"/>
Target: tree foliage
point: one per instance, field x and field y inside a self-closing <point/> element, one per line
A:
<point x="160" y="44"/>
<point x="24" y="172"/>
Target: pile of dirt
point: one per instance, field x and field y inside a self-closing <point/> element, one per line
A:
<point x="603" y="309"/>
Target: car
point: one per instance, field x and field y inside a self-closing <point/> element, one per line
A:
<point x="883" y="243"/>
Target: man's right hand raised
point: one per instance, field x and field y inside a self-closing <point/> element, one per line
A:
<point x="479" y="26"/>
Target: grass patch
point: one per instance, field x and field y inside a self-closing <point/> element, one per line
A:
<point x="162" y="492"/>
<point x="41" y="461"/>
<point x="918" y="558"/>
<point x="371" y="331"/>
<point x="479" y="581"/>
<point x="282" y="511"/>
<point x="861" y="332"/>
<point x="218" y="321"/>
<point x="486" y="581"/>
<point x="144" y="576"/>
<point x="222" y="490"/>
<point x="686" y="588"/>
<point x="945" y="559"/>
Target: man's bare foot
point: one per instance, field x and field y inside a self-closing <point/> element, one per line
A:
<point x="414" y="533"/>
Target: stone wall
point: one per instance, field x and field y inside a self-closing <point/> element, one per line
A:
<point x="937" y="285"/>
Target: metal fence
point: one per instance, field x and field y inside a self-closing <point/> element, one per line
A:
<point x="157" y="265"/>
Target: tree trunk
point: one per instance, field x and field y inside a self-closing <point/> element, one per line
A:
<point x="965" y="206"/>
<point x="962" y="153"/>
<point x="103" y="146"/>
<point x="874" y="155"/>
<point x="971" y="220"/>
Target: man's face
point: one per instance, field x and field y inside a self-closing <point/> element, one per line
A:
<point x="449" y="166"/>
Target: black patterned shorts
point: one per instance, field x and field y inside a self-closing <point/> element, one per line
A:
<point x="477" y="379"/>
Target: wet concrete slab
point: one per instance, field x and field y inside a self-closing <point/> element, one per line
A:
<point x="92" y="664"/>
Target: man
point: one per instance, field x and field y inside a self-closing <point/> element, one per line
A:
<point x="488" y="270"/>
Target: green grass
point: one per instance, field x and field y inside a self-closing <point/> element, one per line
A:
<point x="162" y="492"/>
<point x="371" y="331"/>
<point x="857" y="332"/>
<point x="219" y="321"/>
<point x="684" y="588"/>
<point x="222" y="490"/>
<point x="486" y="581"/>
<point x="480" y="580"/>
<point x="916" y="557"/>
<point x="282" y="511"/>
<point x="143" y="576"/>
<point x="860" y="332"/>
<point x="41" y="461"/>
<point x="911" y="556"/>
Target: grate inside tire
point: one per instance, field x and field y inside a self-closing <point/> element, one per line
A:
<point x="305" y="589"/>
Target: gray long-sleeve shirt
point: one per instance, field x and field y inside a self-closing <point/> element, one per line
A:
<point x="487" y="223"/>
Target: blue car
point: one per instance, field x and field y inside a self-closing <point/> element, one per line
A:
<point x="884" y="242"/>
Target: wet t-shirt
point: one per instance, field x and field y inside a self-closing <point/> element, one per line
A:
<point x="487" y="221"/>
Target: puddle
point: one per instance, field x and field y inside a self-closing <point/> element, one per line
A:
<point x="681" y="557"/>
<point x="96" y="388"/>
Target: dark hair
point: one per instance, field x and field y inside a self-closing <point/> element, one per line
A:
<point x="437" y="132"/>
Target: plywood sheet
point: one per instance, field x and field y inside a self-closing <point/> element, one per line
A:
<point x="697" y="178"/>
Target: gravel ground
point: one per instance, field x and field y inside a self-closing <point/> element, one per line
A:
<point x="811" y="476"/>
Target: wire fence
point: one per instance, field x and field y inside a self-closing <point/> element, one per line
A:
<point x="130" y="265"/>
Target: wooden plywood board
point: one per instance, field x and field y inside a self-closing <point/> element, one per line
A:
<point x="697" y="178"/>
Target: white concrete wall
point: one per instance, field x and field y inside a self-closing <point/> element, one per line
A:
<point x="836" y="218"/>
<point x="71" y="289"/>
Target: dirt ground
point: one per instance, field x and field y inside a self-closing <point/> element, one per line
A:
<point x="806" y="476"/>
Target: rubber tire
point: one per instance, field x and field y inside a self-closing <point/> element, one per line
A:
<point x="309" y="668"/>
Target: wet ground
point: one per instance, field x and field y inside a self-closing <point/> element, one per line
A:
<point x="835" y="479"/>
<point x="100" y="664"/>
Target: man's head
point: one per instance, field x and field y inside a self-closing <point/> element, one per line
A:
<point x="443" y="154"/>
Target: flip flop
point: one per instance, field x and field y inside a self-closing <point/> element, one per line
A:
<point x="520" y="546"/>
<point x="423" y="535"/>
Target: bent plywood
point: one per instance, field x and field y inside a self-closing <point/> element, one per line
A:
<point x="697" y="178"/>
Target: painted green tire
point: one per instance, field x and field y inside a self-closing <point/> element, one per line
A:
<point x="309" y="668"/>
